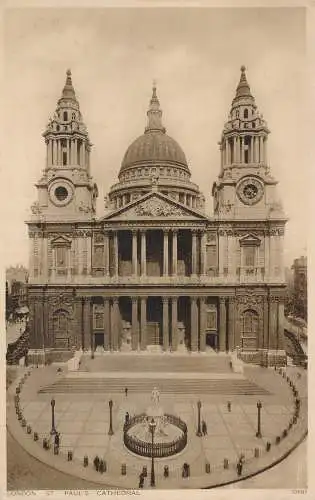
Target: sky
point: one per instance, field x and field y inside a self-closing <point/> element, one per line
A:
<point x="194" y="54"/>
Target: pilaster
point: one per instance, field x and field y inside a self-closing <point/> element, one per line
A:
<point x="222" y="334"/>
<point x="194" y="323"/>
<point x="165" y="302"/>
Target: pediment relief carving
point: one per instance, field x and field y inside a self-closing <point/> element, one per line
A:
<point x="157" y="208"/>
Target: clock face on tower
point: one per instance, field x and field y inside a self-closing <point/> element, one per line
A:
<point x="61" y="192"/>
<point x="250" y="190"/>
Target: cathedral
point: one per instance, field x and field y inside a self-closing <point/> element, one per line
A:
<point x="155" y="272"/>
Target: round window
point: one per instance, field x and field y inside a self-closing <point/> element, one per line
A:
<point x="61" y="193"/>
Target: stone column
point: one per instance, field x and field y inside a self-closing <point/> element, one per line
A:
<point x="174" y="327"/>
<point x="202" y="333"/>
<point x="107" y="332"/>
<point x="234" y="150"/>
<point x="165" y="252"/>
<point x="265" y="150"/>
<point x="83" y="153"/>
<point x="222" y="332"/>
<point x="266" y="324"/>
<point x="46" y="319"/>
<point x="165" y="302"/>
<point x="106" y="253"/>
<point x="143" y="322"/>
<point x="203" y="254"/>
<point x="251" y="145"/>
<point x="273" y="318"/>
<point x="221" y="154"/>
<point x="115" y="324"/>
<point x="116" y="267"/>
<point x="75" y="151"/>
<point x="194" y="323"/>
<point x="194" y="252"/>
<point x="143" y="253"/>
<point x="231" y="327"/>
<point x="242" y="149"/>
<point x="281" y="324"/>
<point x="261" y="150"/>
<point x="174" y="253"/>
<point x="228" y="151"/>
<point x="87" y="322"/>
<point x="68" y="256"/>
<point x="256" y="149"/>
<point x="134" y="252"/>
<point x="54" y="151"/>
<point x="134" y="324"/>
<point x="68" y="152"/>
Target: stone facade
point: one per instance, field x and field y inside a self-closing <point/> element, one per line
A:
<point x="155" y="271"/>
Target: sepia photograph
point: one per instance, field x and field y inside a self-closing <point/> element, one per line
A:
<point x="155" y="249"/>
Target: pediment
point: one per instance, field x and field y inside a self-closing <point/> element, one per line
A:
<point x="60" y="241"/>
<point x="250" y="240"/>
<point x="154" y="206"/>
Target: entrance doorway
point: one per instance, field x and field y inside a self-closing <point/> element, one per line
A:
<point x="212" y="340"/>
<point x="99" y="340"/>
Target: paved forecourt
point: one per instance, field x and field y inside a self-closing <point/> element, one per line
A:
<point x="82" y="418"/>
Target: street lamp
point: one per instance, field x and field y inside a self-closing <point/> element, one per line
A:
<point x="152" y="426"/>
<point x="199" y="433"/>
<point x="53" y="428"/>
<point x="110" y="431"/>
<point x="259" y="406"/>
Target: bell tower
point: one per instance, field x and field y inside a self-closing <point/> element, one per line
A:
<point x="66" y="190"/>
<point x="245" y="187"/>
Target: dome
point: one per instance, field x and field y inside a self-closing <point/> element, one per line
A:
<point x="154" y="146"/>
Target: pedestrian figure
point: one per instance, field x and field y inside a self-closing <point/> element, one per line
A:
<point x="204" y="428"/>
<point x="166" y="471"/>
<point x="229" y="405"/>
<point x="185" y="471"/>
<point x="239" y="467"/>
<point x="96" y="463"/>
<point x="127" y="418"/>
<point x="101" y="466"/>
<point x="145" y="471"/>
<point x="57" y="438"/>
<point x="126" y="391"/>
<point x="141" y="480"/>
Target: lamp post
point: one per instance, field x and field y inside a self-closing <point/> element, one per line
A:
<point x="53" y="429"/>
<point x="199" y="433"/>
<point x="259" y="406"/>
<point x="110" y="430"/>
<point x="152" y="426"/>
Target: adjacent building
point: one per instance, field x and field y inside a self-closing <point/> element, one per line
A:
<point x="156" y="272"/>
<point x="300" y="288"/>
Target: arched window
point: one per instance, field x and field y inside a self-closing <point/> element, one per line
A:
<point x="247" y="145"/>
<point x="65" y="116"/>
<point x="245" y="113"/>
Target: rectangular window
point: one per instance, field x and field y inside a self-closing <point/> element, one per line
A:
<point x="249" y="256"/>
<point x="61" y="260"/>
<point x="64" y="158"/>
<point x="98" y="318"/>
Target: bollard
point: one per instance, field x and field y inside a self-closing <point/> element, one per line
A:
<point x="35" y="436"/>
<point x="268" y="446"/>
<point x="278" y="439"/>
<point x="208" y="468"/>
<point x="85" y="461"/>
<point x="29" y="429"/>
<point x="70" y="456"/>
<point x="123" y="469"/>
<point x="225" y="463"/>
<point x="256" y="452"/>
<point x="23" y="422"/>
<point x="285" y="433"/>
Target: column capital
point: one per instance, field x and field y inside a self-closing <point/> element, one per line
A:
<point x="165" y="300"/>
<point x="166" y="231"/>
<point x="174" y="297"/>
<point x="143" y="230"/>
<point x="232" y="299"/>
<point x="174" y="231"/>
<point x="134" y="232"/>
<point x="202" y="300"/>
<point x="143" y="297"/>
<point x="222" y="300"/>
<point x="115" y="300"/>
<point x="134" y="299"/>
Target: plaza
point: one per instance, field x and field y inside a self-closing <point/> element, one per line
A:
<point x="82" y="417"/>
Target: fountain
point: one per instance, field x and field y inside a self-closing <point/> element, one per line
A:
<point x="170" y="432"/>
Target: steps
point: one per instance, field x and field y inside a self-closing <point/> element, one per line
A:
<point x="201" y="363"/>
<point x="166" y="386"/>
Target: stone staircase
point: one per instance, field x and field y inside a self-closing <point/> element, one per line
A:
<point x="102" y="385"/>
<point x="168" y="363"/>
